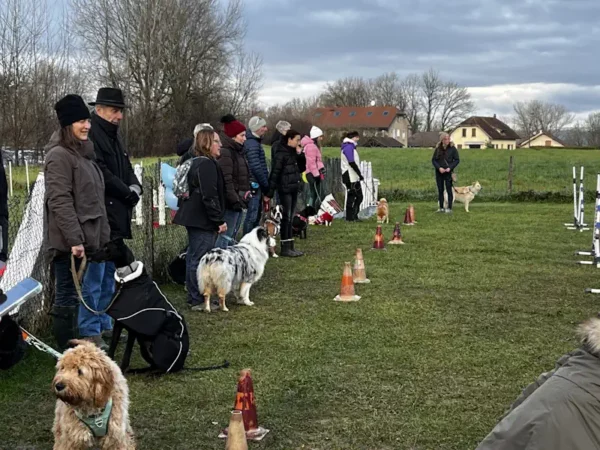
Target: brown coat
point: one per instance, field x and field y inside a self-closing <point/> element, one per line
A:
<point x="74" y="211"/>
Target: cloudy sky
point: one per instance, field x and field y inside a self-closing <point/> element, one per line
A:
<point x="503" y="50"/>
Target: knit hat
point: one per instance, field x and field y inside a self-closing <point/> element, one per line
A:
<point x="202" y="126"/>
<point x="71" y="109"/>
<point x="231" y="126"/>
<point x="283" y="126"/>
<point x="315" y="132"/>
<point x="256" y="123"/>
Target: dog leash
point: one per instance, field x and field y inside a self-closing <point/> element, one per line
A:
<point x="35" y="342"/>
<point x="77" y="280"/>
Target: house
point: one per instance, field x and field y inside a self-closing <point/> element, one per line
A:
<point x="542" y="139"/>
<point x="424" y="139"/>
<point x="380" y="142"/>
<point x="484" y="132"/>
<point x="383" y="121"/>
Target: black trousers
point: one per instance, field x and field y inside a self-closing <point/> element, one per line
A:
<point x="4" y="236"/>
<point x="444" y="180"/>
<point x="354" y="199"/>
<point x="288" y="203"/>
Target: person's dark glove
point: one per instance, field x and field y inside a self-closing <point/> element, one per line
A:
<point x="237" y="207"/>
<point x="132" y="199"/>
<point x="322" y="171"/>
<point x="361" y="178"/>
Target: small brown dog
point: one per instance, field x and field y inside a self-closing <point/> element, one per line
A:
<point x="383" y="211"/>
<point x="92" y="406"/>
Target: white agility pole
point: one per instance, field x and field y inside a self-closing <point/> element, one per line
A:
<point x="595" y="253"/>
<point x="578" y="203"/>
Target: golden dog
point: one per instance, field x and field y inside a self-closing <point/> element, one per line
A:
<point x="465" y="194"/>
<point x="383" y="211"/>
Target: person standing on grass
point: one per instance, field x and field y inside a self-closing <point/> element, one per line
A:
<point x="445" y="159"/>
<point x="351" y="176"/>
<point x="259" y="174"/>
<point x="75" y="218"/>
<point x="285" y="180"/>
<point x="122" y="191"/>
<point x="277" y="141"/>
<point x="3" y="217"/>
<point x="203" y="213"/>
<point x="315" y="170"/>
<point x="237" y="177"/>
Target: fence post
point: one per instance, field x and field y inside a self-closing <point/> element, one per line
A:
<point x="162" y="221"/>
<point x="27" y="175"/>
<point x="511" y="167"/>
<point x="139" y="212"/>
<point x="10" y="178"/>
<point x="149" y="224"/>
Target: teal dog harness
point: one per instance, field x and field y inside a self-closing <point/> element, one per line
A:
<point x="98" y="423"/>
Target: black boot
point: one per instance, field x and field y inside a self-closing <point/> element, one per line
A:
<point x="297" y="252"/>
<point x="64" y="326"/>
<point x="286" y="249"/>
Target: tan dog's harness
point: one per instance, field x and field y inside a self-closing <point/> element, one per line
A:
<point x="98" y="423"/>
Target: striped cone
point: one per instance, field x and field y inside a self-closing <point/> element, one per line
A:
<point x="347" y="290"/>
<point x="397" y="239"/>
<point x="359" y="275"/>
<point x="236" y="435"/>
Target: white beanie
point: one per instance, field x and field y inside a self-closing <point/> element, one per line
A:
<point x="255" y="123"/>
<point x="202" y="126"/>
<point x="315" y="132"/>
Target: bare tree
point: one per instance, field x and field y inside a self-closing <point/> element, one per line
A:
<point x="350" y="91"/>
<point x="432" y="88"/>
<point x="455" y="105"/>
<point x="387" y="91"/>
<point x="245" y="82"/>
<point x="535" y="116"/>
<point x="593" y="129"/>
<point x="411" y="93"/>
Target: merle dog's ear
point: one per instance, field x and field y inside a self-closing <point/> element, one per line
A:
<point x="262" y="234"/>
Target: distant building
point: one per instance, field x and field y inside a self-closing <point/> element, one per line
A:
<point x="424" y="139"/>
<point x="382" y="121"/>
<point x="484" y="132"/>
<point x="542" y="139"/>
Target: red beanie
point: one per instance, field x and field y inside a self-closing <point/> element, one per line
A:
<point x="231" y="126"/>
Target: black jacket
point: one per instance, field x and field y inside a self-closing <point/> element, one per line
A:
<point x="205" y="207"/>
<point x="113" y="160"/>
<point x="285" y="176"/>
<point x="235" y="172"/>
<point x="3" y="190"/>
<point x="447" y="159"/>
<point x="276" y="144"/>
<point x="184" y="150"/>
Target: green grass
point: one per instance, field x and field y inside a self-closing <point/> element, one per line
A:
<point x="454" y="324"/>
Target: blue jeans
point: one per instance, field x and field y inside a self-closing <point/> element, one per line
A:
<point x="65" y="293"/>
<point x="254" y="212"/>
<point x="200" y="242"/>
<point x="233" y="219"/>
<point x="98" y="288"/>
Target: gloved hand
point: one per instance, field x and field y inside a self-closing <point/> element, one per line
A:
<point x="361" y="178"/>
<point x="322" y="171"/>
<point x="133" y="198"/>
<point x="237" y="207"/>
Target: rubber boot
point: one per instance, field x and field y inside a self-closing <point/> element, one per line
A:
<point x="286" y="250"/>
<point x="64" y="326"/>
<point x="293" y="250"/>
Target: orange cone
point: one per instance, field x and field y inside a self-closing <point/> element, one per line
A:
<point x="236" y="435"/>
<point x="359" y="275"/>
<point x="378" y="243"/>
<point x="413" y="218"/>
<point x="347" y="291"/>
<point x="246" y="403"/>
<point x="397" y="239"/>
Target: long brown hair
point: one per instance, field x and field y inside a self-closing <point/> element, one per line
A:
<point x="67" y="139"/>
<point x="204" y="141"/>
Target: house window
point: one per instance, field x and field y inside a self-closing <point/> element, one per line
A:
<point x="385" y="113"/>
<point x="337" y="114"/>
<point x="404" y="135"/>
<point x="474" y="132"/>
<point x="510" y="147"/>
<point x="464" y="132"/>
<point x="459" y="146"/>
<point x="352" y="114"/>
<point x="370" y="113"/>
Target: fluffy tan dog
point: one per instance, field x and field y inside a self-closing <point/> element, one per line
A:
<point x="86" y="384"/>
<point x="465" y="194"/>
<point x="383" y="211"/>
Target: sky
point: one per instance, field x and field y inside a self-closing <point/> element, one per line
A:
<point x="502" y="50"/>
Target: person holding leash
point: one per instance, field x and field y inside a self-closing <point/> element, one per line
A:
<point x="351" y="176"/>
<point x="445" y="159"/>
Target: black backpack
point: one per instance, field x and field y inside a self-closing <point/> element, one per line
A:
<point x="141" y="307"/>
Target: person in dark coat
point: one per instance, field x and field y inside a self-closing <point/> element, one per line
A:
<point x="445" y="159"/>
<point x="3" y="216"/>
<point x="237" y="177"/>
<point x="122" y="193"/>
<point x="75" y="218"/>
<point x="561" y="409"/>
<point x="277" y="140"/>
<point x="285" y="180"/>
<point x="259" y="174"/>
<point x="203" y="213"/>
<point x="351" y="175"/>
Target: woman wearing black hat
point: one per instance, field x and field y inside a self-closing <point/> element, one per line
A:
<point x="75" y="221"/>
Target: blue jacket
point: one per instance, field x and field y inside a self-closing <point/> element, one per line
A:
<point x="257" y="162"/>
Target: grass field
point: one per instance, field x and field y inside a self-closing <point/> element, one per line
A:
<point x="454" y="324"/>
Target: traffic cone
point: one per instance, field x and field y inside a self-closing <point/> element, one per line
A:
<point x="413" y="218"/>
<point x="236" y="436"/>
<point x="246" y="403"/>
<point x="407" y="217"/>
<point x="397" y="239"/>
<point x="378" y="243"/>
<point x="359" y="275"/>
<point x="347" y="291"/>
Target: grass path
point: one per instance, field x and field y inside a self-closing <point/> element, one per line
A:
<point x="454" y="324"/>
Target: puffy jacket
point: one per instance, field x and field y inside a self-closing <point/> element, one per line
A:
<point x="314" y="160"/>
<point x="561" y="410"/>
<point x="257" y="162"/>
<point x="74" y="210"/>
<point x="276" y="144"/>
<point x="235" y="172"/>
<point x="446" y="159"/>
<point x="285" y="176"/>
<point x="350" y="162"/>
<point x="205" y="208"/>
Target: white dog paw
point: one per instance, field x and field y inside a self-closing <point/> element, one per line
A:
<point x="225" y="309"/>
<point x="249" y="303"/>
<point x="275" y="256"/>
